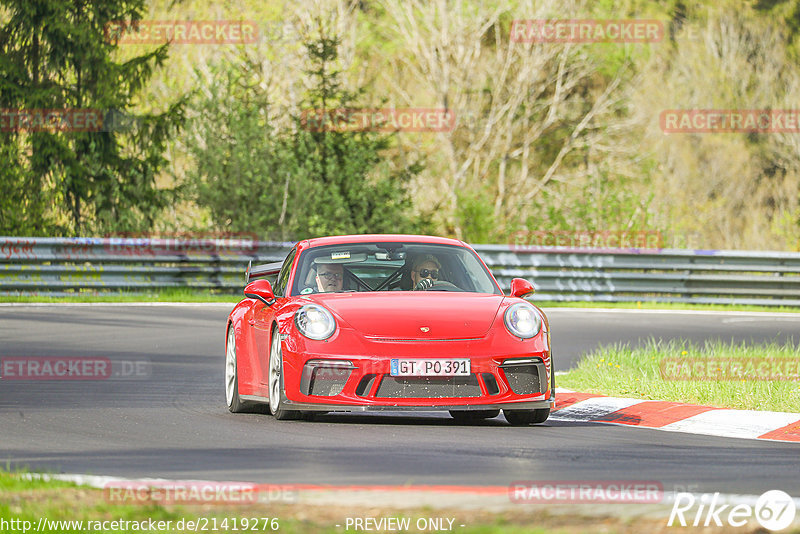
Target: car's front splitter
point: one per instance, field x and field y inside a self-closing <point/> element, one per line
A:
<point x="529" y="405"/>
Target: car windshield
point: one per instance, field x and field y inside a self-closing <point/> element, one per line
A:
<point x="391" y="267"/>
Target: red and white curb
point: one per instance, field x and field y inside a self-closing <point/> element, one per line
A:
<point x="676" y="417"/>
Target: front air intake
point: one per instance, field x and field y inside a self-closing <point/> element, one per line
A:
<point x="525" y="376"/>
<point x="428" y="387"/>
<point x="325" y="378"/>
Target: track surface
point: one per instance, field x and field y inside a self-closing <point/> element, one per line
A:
<point x="174" y="424"/>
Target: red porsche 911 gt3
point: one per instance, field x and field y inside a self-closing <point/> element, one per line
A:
<point x="387" y="322"/>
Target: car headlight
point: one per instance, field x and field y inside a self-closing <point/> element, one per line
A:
<point x="522" y="320"/>
<point x="315" y="322"/>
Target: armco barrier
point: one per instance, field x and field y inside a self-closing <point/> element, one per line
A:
<point x="59" y="266"/>
<point x="62" y="266"/>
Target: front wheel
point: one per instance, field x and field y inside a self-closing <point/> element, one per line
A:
<point x="232" y="399"/>
<point x="276" y="381"/>
<point x="526" y="417"/>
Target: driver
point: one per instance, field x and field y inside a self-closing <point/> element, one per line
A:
<point x="329" y="277"/>
<point x="424" y="272"/>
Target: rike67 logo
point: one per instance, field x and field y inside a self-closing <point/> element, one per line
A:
<point x="774" y="510"/>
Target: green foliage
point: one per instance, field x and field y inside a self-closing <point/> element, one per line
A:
<point x="57" y="55"/>
<point x="475" y="216"/>
<point x="604" y="202"/>
<point x="788" y="12"/>
<point x="21" y="213"/>
<point x="252" y="164"/>
<point x="299" y="181"/>
<point x="237" y="157"/>
<point x="643" y="372"/>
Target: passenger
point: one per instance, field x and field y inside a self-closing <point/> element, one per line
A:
<point x="329" y="277"/>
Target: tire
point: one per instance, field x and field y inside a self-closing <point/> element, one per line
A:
<point x="471" y="416"/>
<point x="276" y="381"/>
<point x="526" y="417"/>
<point x="235" y="404"/>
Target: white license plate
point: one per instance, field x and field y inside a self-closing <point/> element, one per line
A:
<point x="430" y="367"/>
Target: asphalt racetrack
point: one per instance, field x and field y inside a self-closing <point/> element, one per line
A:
<point x="169" y="420"/>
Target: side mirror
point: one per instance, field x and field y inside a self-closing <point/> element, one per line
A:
<point x="521" y="287"/>
<point x="261" y="290"/>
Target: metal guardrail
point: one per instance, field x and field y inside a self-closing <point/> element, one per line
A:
<point x="65" y="266"/>
<point x="665" y="275"/>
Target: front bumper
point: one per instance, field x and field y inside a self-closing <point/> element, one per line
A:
<point x="505" y="373"/>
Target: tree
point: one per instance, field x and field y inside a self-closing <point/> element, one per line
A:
<point x="724" y="190"/>
<point x="295" y="180"/>
<point x="243" y="171"/>
<point x="529" y="115"/>
<point x="359" y="189"/>
<point x="73" y="179"/>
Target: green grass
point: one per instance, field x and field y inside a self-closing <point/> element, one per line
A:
<point x="28" y="498"/>
<point x="23" y="499"/>
<point x="651" y="372"/>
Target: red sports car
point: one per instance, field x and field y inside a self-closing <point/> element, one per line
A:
<point x="387" y="322"/>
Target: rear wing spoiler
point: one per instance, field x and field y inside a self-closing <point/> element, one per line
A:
<point x="258" y="271"/>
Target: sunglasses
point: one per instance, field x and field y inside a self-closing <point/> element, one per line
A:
<point x="432" y="273"/>
<point x="331" y="276"/>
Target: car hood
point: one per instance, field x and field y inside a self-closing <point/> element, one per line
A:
<point x="406" y="315"/>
